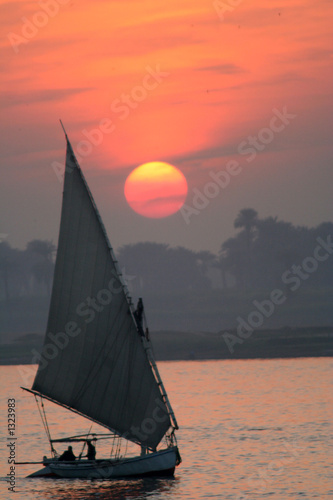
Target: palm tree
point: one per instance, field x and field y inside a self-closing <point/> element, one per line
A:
<point x="247" y="219"/>
<point x="233" y="259"/>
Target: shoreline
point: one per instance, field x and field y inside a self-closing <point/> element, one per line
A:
<point x="283" y="343"/>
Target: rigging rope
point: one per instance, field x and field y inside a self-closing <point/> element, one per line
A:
<point x="88" y="433"/>
<point x="118" y="448"/>
<point x="45" y="424"/>
<point x="113" y="441"/>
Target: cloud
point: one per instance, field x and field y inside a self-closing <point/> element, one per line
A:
<point x="255" y="18"/>
<point x="283" y="78"/>
<point x="312" y="54"/>
<point x="208" y="153"/>
<point x="12" y="11"/>
<point x="49" y="95"/>
<point x="222" y="69"/>
<point x="152" y="202"/>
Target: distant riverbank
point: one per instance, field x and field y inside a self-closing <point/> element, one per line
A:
<point x="177" y="345"/>
<point x="261" y="344"/>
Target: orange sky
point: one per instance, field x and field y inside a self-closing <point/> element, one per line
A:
<point x="179" y="81"/>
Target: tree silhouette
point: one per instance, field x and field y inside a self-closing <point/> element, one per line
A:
<point x="43" y="269"/>
<point x="247" y="219"/>
<point x="274" y="250"/>
<point x="6" y="266"/>
<point x="234" y="259"/>
<point x="45" y="248"/>
<point x="160" y="268"/>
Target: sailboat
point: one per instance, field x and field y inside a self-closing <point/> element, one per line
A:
<point x="97" y="359"/>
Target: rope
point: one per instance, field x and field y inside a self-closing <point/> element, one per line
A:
<point x="85" y="441"/>
<point x="126" y="445"/>
<point x="45" y="424"/>
<point x="118" y="448"/>
<point x="116" y="443"/>
<point x="113" y="441"/>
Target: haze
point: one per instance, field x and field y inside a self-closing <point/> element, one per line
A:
<point x="206" y="86"/>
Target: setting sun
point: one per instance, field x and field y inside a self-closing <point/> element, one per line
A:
<point x="155" y="189"/>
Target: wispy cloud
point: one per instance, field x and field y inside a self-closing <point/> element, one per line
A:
<point x="311" y="54"/>
<point x="222" y="69"/>
<point x="49" y="95"/>
<point x="280" y="79"/>
<point x="263" y="17"/>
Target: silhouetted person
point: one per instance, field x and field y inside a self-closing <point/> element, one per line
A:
<point x="68" y="455"/>
<point x="91" y="455"/>
<point x="139" y="315"/>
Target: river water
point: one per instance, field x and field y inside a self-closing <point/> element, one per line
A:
<point x="249" y="429"/>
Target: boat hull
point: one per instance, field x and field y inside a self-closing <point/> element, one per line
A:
<point x="159" y="463"/>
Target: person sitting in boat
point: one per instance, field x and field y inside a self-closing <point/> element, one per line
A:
<point x="91" y="455"/>
<point x="139" y="315"/>
<point x="68" y="455"/>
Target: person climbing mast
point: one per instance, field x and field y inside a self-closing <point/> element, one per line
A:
<point x="139" y="316"/>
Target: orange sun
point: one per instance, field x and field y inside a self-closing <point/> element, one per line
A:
<point x="155" y="189"/>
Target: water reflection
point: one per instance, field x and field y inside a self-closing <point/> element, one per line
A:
<point x="248" y="429"/>
<point x="139" y="489"/>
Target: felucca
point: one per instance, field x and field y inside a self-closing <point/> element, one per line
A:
<point x="97" y="360"/>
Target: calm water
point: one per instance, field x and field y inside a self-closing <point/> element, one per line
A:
<point x="249" y="430"/>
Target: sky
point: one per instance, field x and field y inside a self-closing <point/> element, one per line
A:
<point x="236" y="94"/>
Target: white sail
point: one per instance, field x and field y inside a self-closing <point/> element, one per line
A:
<point x="93" y="359"/>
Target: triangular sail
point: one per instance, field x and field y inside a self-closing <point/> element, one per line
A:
<point x="93" y="359"/>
